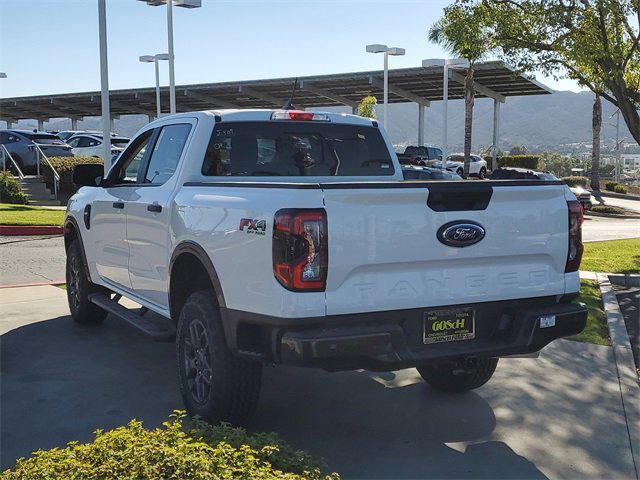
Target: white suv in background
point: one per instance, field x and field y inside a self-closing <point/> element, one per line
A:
<point x="90" y="144"/>
<point x="455" y="163"/>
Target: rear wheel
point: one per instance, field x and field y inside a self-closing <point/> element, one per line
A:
<point x="452" y="378"/>
<point x="79" y="288"/>
<point x="460" y="171"/>
<point x="214" y="383"/>
<point x="482" y="173"/>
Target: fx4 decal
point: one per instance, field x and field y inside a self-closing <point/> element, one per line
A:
<point x="255" y="226"/>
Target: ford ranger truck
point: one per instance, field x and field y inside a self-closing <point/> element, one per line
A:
<point x="289" y="237"/>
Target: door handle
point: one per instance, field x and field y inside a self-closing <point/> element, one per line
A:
<point x="154" y="207"/>
<point x="118" y="205"/>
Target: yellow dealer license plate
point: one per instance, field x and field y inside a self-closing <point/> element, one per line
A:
<point x="449" y="325"/>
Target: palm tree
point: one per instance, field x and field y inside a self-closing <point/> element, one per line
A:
<point x="461" y="34"/>
<point x="596" y="123"/>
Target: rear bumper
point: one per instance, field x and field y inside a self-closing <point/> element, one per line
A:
<point x="392" y="340"/>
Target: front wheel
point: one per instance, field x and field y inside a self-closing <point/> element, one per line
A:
<point x="79" y="287"/>
<point x="214" y="383"/>
<point x="460" y="171"/>
<point x="452" y="378"/>
<point x="483" y="173"/>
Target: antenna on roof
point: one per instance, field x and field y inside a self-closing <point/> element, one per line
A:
<point x="289" y="103"/>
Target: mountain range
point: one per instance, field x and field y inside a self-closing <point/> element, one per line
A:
<point x="538" y="122"/>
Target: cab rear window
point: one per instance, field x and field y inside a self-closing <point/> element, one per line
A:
<point x="291" y="148"/>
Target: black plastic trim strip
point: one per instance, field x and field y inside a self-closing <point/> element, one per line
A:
<point x="389" y="184"/>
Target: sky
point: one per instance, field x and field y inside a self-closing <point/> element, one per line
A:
<point x="51" y="46"/>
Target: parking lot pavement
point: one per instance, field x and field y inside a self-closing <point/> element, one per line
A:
<point x="633" y="205"/>
<point x="559" y="416"/>
<point x="596" y="229"/>
<point x="31" y="260"/>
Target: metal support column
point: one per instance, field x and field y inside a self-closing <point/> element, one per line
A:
<point x="421" y="111"/>
<point x="104" y="83"/>
<point x="40" y="124"/>
<point x="496" y="134"/>
<point x="74" y="124"/>
<point x="150" y="118"/>
<point x="354" y="110"/>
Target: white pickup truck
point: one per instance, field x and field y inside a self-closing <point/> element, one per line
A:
<point x="337" y="263"/>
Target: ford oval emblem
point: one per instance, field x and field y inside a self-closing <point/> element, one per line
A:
<point x="460" y="233"/>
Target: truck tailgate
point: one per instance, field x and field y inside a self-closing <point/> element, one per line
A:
<point x="384" y="253"/>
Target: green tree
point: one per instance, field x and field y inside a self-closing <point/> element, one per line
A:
<point x="461" y="33"/>
<point x="367" y="107"/>
<point x="595" y="42"/>
<point x="596" y="122"/>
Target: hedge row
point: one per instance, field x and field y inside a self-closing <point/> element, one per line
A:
<point x="64" y="166"/>
<point x="520" y="161"/>
<point x="576" y="181"/>
<point x="10" y="190"/>
<point x="615" y="187"/>
<point x="205" y="451"/>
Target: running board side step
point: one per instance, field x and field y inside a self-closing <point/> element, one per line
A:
<point x="146" y="326"/>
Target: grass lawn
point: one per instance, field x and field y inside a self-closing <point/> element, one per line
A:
<point x="25" y="215"/>
<point x="613" y="256"/>
<point x="596" y="330"/>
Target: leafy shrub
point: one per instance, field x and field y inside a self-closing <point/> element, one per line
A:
<point x="64" y="166"/>
<point x="520" y="161"/>
<point x="610" y="186"/>
<point x="607" y="209"/>
<point x="10" y="190"/>
<point x="367" y="107"/>
<point x="205" y="451"/>
<point x="576" y="181"/>
<point x="620" y="189"/>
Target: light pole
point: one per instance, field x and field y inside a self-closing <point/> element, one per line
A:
<point x="170" y="3"/>
<point x="446" y="64"/>
<point x="104" y="86"/>
<point x="395" y="51"/>
<point x="155" y="59"/>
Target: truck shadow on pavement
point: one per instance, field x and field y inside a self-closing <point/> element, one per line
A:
<point x="62" y="381"/>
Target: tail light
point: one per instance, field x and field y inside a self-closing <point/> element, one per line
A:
<point x="300" y="251"/>
<point x="300" y="116"/>
<point x="574" y="253"/>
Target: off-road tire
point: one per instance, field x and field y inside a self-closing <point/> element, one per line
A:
<point x="79" y="288"/>
<point x="483" y="173"/>
<point x="233" y="382"/>
<point x="447" y="377"/>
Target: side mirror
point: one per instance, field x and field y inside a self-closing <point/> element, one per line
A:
<point x="88" y="175"/>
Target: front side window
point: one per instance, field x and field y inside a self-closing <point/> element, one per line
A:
<point x="166" y="152"/>
<point x="292" y="148"/>
<point x="129" y="163"/>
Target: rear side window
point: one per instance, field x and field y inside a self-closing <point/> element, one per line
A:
<point x="166" y="152"/>
<point x="289" y="148"/>
<point x="415" y="151"/>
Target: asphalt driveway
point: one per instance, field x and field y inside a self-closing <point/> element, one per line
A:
<point x="559" y="416"/>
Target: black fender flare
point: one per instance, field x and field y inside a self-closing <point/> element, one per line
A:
<point x="69" y="224"/>
<point x="193" y="248"/>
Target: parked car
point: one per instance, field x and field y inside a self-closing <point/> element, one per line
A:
<point x="419" y="155"/>
<point x="90" y="145"/>
<point x="21" y="145"/>
<point x="455" y="163"/>
<point x="291" y="237"/>
<point x="66" y="134"/>
<point x="511" y="173"/>
<point x="412" y="172"/>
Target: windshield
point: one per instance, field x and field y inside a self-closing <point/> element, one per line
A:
<point x="284" y="148"/>
<point x="45" y="139"/>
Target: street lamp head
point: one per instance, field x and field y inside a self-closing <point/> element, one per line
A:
<point x="147" y="58"/>
<point x="433" y="62"/>
<point x="3" y="75"/>
<point x="377" y="48"/>
<point x="396" y="51"/>
<point x="162" y="56"/>
<point x="176" y="3"/>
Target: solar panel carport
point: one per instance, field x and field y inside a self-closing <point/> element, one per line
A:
<point x="419" y="85"/>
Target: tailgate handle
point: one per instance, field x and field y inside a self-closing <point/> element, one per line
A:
<point x="459" y="198"/>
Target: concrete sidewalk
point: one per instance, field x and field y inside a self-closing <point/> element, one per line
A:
<point x="559" y="416"/>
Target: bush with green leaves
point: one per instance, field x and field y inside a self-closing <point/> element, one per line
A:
<point x="576" y="181"/>
<point x="10" y="190"/>
<point x="607" y="209"/>
<point x="201" y="452"/>
<point x="367" y="107"/>
<point x="530" y="162"/>
<point x="64" y="166"/>
<point x="620" y="189"/>
<point x="610" y="186"/>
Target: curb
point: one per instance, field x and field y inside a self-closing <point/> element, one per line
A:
<point x="26" y="230"/>
<point x="625" y="366"/>
<point x="589" y="213"/>
<point x="38" y="284"/>
<point x="625" y="196"/>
